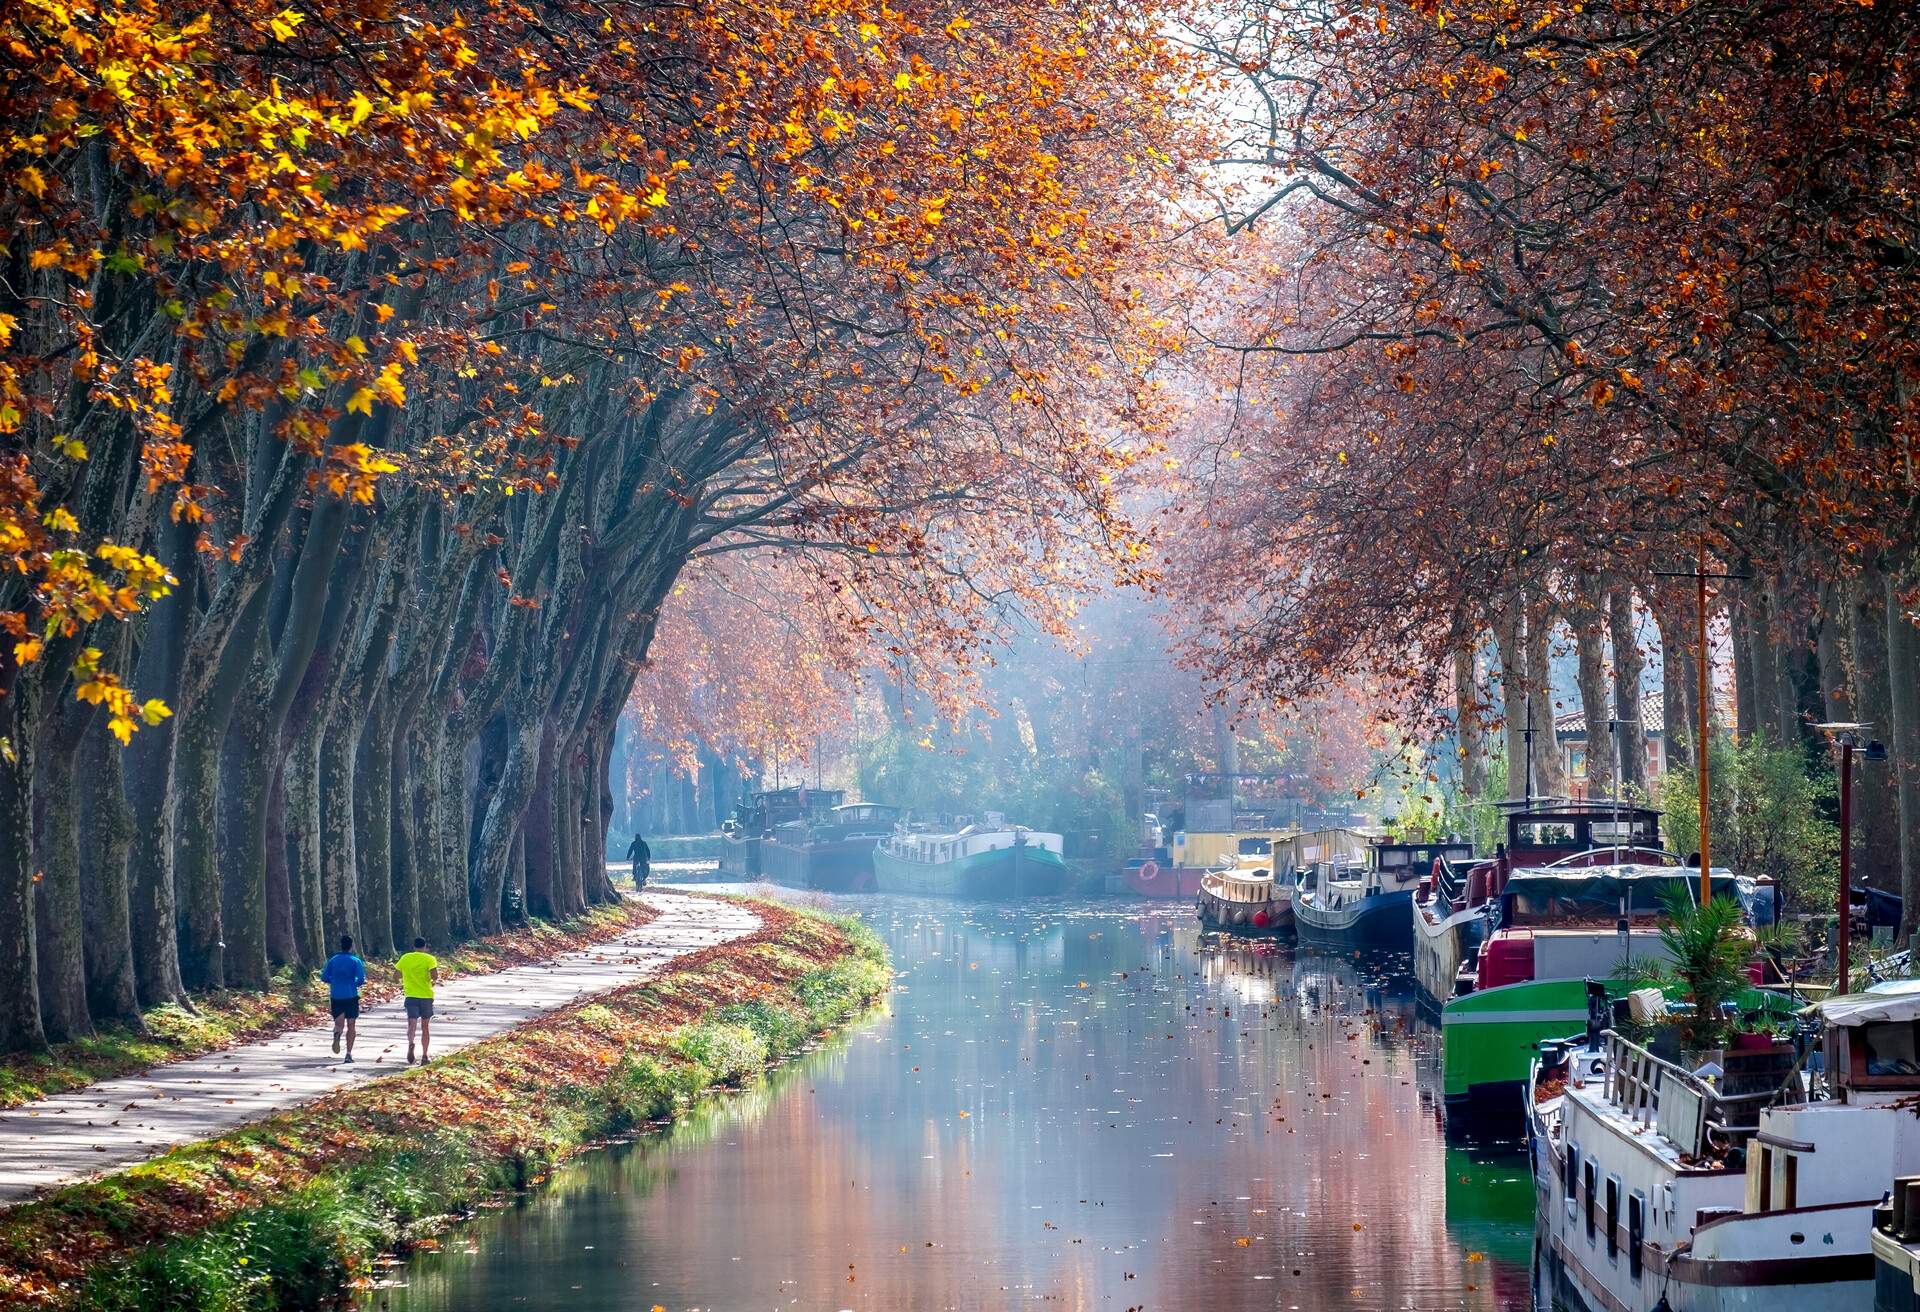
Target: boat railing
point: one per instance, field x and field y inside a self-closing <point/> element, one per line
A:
<point x="1237" y="886"/>
<point x="1700" y="1118"/>
<point x="1449" y="885"/>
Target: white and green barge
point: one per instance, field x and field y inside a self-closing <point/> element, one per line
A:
<point x="1555" y="928"/>
<point x="994" y="860"/>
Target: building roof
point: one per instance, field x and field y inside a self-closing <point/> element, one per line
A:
<point x="1652" y="718"/>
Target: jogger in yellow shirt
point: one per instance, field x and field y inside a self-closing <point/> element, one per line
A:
<point x="416" y="983"/>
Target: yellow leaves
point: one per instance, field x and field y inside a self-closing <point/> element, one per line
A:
<point x="361" y="402"/>
<point x="283" y="24"/>
<point x="27" y="650"/>
<point x="356" y="345"/>
<point x="61" y="520"/>
<point x="902" y="81"/>
<point x="383" y="312"/>
<point x="387" y="386"/>
<point x="98" y="687"/>
<point x="956" y="27"/>
<point x="33" y="182"/>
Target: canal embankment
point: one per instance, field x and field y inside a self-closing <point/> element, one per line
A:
<point x="292" y="1211"/>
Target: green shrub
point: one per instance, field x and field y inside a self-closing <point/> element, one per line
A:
<point x="728" y="1053"/>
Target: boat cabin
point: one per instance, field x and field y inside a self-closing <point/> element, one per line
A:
<point x="1872" y="1039"/>
<point x="1573" y="922"/>
<point x="769" y="810"/>
<point x="1384" y="868"/>
<point x="1403" y="863"/>
<point x="841" y="823"/>
<point x="1543" y="831"/>
<point x="940" y="848"/>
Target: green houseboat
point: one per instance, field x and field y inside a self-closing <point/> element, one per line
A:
<point x="1558" y="927"/>
<point x="993" y="860"/>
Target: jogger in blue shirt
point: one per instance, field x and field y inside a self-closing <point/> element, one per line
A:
<point x="344" y="974"/>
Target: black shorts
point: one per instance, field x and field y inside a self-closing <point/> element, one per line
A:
<point x="348" y="1007"/>
<point x="419" y="1008"/>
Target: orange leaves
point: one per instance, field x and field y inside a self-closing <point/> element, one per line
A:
<point x="354" y="469"/>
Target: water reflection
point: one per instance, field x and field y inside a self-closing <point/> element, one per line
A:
<point x="1080" y="1103"/>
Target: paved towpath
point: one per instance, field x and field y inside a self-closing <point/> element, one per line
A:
<point x="119" y="1122"/>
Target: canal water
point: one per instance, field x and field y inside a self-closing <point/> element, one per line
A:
<point x="1082" y="1104"/>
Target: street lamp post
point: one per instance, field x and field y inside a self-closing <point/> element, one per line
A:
<point x="1845" y="736"/>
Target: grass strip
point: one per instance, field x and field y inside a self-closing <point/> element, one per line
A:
<point x="290" y="1213"/>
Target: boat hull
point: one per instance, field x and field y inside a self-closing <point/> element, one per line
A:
<point x="1380" y="923"/>
<point x="1896" y="1275"/>
<point x="844" y="866"/>
<point x="1439" y="948"/>
<point x="1488" y="1039"/>
<point x="1158" y="881"/>
<point x="1764" y="1286"/>
<point x="1248" y="919"/>
<point x="1022" y="871"/>
<point x="740" y="856"/>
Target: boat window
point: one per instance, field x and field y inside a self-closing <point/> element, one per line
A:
<point x="1591" y="1179"/>
<point x="1636" y="1231"/>
<point x="1613" y="1217"/>
<point x="1543" y="834"/>
<point x="1790" y="1187"/>
<point x="1572" y="1183"/>
<point x="1764" y="1171"/>
<point x="1390" y="858"/>
<point x="1626" y="833"/>
<point x="1890" y="1049"/>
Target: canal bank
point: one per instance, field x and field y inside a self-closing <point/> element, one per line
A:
<point x="290" y="1211"/>
<point x="1067" y="1101"/>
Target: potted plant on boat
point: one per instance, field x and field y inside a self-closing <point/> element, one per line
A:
<point x="1709" y="947"/>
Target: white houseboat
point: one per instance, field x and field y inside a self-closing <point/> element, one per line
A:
<point x="990" y="860"/>
<point x="1742" y="1184"/>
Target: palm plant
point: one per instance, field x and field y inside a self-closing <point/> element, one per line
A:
<point x="1710" y="949"/>
<point x="1779" y="943"/>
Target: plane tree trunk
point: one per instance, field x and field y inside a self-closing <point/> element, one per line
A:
<point x="1628" y="667"/>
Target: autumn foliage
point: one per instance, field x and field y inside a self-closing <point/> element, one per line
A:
<point x="1535" y="300"/>
<point x="369" y="370"/>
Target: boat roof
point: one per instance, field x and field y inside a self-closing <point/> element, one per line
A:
<point x="1559" y="878"/>
<point x="971" y="831"/>
<point x="1556" y="808"/>
<point x="1596" y="892"/>
<point x="1895" y="1000"/>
